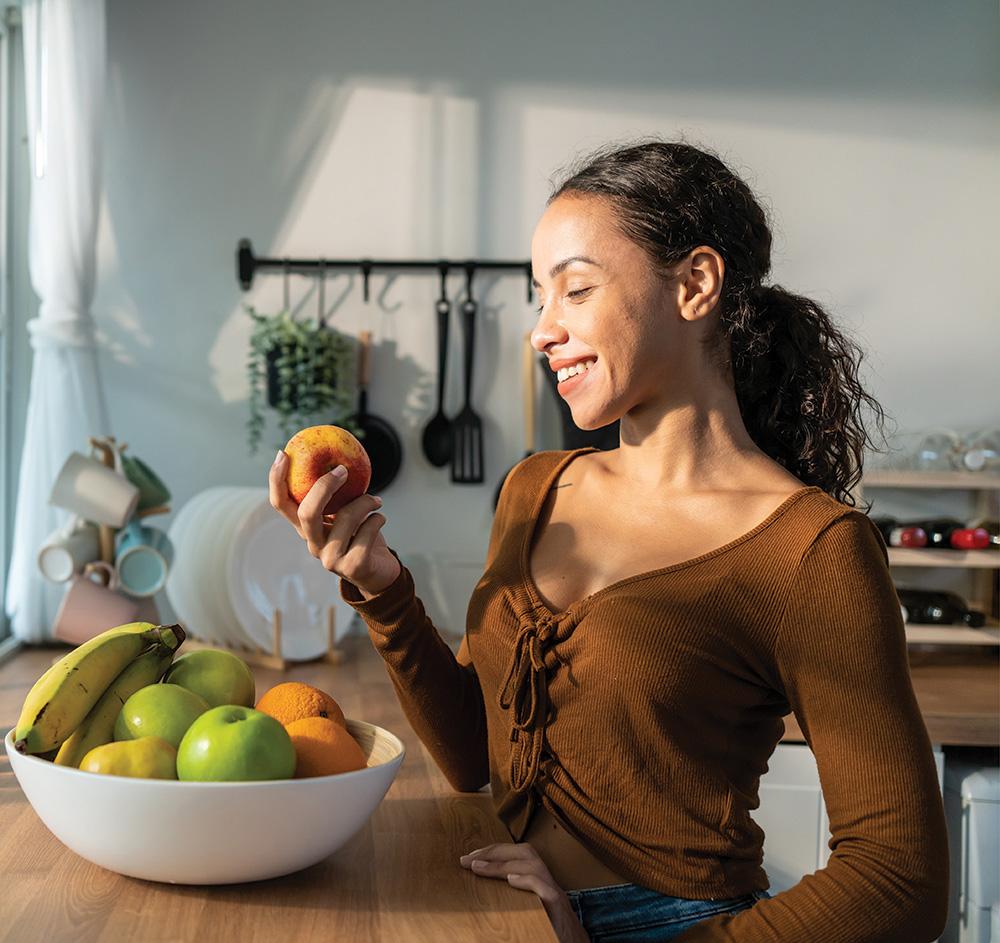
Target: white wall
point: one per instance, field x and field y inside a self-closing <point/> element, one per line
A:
<point x="419" y="130"/>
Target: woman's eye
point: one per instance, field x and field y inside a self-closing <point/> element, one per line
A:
<point x="569" y="294"/>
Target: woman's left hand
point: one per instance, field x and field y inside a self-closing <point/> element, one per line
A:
<point x="521" y="867"/>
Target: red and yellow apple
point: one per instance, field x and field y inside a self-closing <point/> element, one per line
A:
<point x="314" y="451"/>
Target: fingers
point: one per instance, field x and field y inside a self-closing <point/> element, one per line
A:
<point x="310" y="511"/>
<point x="519" y="865"/>
<point x="277" y="488"/>
<point x="348" y="522"/>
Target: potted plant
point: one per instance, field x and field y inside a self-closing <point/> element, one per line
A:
<point x="300" y="370"/>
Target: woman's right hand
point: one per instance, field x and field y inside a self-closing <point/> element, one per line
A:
<point x="348" y="543"/>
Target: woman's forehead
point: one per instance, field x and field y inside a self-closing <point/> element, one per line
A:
<point x="577" y="228"/>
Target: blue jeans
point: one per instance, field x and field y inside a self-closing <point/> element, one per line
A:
<point x="628" y="913"/>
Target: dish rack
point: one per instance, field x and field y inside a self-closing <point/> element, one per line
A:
<point x="255" y="655"/>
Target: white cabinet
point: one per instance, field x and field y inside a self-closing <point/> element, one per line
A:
<point x="972" y="809"/>
<point x="793" y="815"/>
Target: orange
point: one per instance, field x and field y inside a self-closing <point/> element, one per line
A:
<point x="323" y="747"/>
<point x="295" y="700"/>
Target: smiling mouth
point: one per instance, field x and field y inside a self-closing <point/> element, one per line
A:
<point x="566" y="384"/>
<point x="565" y="373"/>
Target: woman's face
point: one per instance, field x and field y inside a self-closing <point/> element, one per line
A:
<point x="603" y="306"/>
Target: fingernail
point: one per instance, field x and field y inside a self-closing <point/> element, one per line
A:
<point x="339" y="471"/>
<point x="377" y="499"/>
<point x="278" y="457"/>
<point x="478" y="863"/>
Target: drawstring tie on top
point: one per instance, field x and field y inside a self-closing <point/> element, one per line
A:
<point x="525" y="687"/>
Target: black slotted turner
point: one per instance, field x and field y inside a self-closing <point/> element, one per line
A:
<point x="467" y="428"/>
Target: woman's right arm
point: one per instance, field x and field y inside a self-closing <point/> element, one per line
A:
<point x="438" y="691"/>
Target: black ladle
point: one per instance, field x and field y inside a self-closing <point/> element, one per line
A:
<point x="437" y="437"/>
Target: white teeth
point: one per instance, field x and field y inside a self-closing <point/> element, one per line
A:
<point x="565" y="373"/>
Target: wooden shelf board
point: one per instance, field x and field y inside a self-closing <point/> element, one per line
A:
<point x="923" y="556"/>
<point x="913" y="478"/>
<point x="952" y="635"/>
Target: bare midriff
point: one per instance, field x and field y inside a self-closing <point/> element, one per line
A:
<point x="572" y="865"/>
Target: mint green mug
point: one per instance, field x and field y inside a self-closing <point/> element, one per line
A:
<point x="144" y="556"/>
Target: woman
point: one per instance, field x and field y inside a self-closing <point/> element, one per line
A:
<point x="648" y="615"/>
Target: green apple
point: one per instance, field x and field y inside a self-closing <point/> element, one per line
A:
<point x="232" y="743"/>
<point x="219" y="677"/>
<point x="159" y="710"/>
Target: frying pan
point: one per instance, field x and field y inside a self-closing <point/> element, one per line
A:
<point x="528" y="391"/>
<point x="379" y="439"/>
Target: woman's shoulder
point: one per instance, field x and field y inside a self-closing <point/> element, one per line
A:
<point x="531" y="470"/>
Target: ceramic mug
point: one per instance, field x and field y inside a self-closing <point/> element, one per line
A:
<point x="90" y="489"/>
<point x="143" y="561"/>
<point x="89" y="608"/>
<point x="68" y="549"/>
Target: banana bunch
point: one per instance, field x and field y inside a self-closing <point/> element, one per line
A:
<point x="98" y="727"/>
<point x="62" y="699"/>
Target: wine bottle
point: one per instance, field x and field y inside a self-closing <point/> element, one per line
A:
<point x="896" y="536"/>
<point x="931" y="607"/>
<point x="949" y="533"/>
<point x="992" y="527"/>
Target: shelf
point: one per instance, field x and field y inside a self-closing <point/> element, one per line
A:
<point x="923" y="556"/>
<point x="913" y="478"/>
<point x="952" y="635"/>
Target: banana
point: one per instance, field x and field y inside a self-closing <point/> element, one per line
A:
<point x="59" y="700"/>
<point x="98" y="726"/>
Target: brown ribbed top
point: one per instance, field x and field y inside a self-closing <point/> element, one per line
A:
<point x="643" y="716"/>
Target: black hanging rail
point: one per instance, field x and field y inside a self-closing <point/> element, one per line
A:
<point x="247" y="263"/>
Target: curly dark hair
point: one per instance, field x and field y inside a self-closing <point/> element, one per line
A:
<point x="795" y="374"/>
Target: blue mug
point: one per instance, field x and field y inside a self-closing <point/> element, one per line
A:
<point x="144" y="555"/>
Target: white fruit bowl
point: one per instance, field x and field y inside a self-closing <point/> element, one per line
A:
<point x="208" y="833"/>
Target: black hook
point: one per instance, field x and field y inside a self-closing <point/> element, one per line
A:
<point x="470" y="270"/>
<point x="366" y="270"/>
<point x="322" y="291"/>
<point x="527" y="271"/>
<point x="443" y="271"/>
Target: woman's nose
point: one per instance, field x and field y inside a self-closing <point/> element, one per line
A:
<point x="548" y="330"/>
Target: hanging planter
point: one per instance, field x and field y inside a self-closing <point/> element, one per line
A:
<point x="299" y="370"/>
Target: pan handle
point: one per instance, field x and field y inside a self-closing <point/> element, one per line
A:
<point x="528" y="382"/>
<point x="365" y="338"/>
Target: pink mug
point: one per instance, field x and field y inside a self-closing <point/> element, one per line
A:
<point x="89" y="608"/>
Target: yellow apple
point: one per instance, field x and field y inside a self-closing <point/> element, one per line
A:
<point x="314" y="451"/>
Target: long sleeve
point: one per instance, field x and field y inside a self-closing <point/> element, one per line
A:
<point x="840" y="654"/>
<point x="438" y="691"/>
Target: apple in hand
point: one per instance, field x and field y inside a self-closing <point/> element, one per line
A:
<point x="316" y="450"/>
<point x="231" y="743"/>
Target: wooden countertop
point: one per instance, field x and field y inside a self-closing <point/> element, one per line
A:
<point x="397" y="880"/>
<point x="958" y="690"/>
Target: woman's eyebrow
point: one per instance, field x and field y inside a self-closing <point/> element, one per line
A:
<point x="559" y="266"/>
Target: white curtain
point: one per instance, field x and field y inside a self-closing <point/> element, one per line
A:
<point x="64" y="63"/>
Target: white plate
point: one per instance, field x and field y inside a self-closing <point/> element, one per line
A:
<point x="182" y="581"/>
<point x="237" y="506"/>
<point x="271" y="568"/>
<point x="211" y="584"/>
